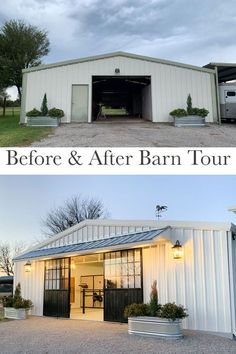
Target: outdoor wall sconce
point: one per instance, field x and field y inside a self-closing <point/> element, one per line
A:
<point x="117" y="71"/>
<point x="27" y="266"/>
<point x="177" y="250"/>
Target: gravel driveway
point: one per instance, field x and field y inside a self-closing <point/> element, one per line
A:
<point x="139" y="133"/>
<point x="47" y="335"/>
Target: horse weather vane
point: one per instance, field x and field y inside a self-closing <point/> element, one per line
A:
<point x="159" y="210"/>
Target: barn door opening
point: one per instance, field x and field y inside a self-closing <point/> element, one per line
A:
<point x="79" y="108"/>
<point x="57" y="288"/>
<point x="121" y="97"/>
<point x="123" y="282"/>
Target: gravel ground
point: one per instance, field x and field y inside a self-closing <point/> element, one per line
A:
<point x="139" y="133"/>
<point x="48" y="335"/>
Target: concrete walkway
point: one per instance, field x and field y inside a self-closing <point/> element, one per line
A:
<point x="48" y="335"/>
<point x="139" y="134"/>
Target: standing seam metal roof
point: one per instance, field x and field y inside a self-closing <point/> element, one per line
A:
<point x="92" y="245"/>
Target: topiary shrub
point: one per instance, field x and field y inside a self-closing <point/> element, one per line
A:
<point x="172" y="311"/>
<point x="44" y="106"/>
<point x="179" y="112"/>
<point x="134" y="310"/>
<point x="17" y="301"/>
<point x="56" y="113"/>
<point x="33" y="113"/>
<point x="189" y="104"/>
<point x="202" y="112"/>
<point x="154" y="307"/>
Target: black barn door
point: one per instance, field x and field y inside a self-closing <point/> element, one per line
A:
<point x="123" y="282"/>
<point x="57" y="288"/>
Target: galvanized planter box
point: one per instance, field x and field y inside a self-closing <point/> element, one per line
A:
<point x="189" y="121"/>
<point x="43" y="121"/>
<point x="15" y="314"/>
<point x="155" y="327"/>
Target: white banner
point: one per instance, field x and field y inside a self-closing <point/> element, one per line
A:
<point x="118" y="161"/>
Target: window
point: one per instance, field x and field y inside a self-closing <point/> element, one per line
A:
<point x="123" y="269"/>
<point x="231" y="93"/>
<point x="57" y="274"/>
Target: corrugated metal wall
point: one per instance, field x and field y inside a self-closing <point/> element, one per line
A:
<point x="170" y="85"/>
<point x="95" y="232"/>
<point x="200" y="281"/>
<point x="32" y="284"/>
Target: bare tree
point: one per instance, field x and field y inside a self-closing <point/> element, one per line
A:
<point x="7" y="253"/>
<point x="74" y="210"/>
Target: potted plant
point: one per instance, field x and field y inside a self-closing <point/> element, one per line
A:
<point x="154" y="319"/>
<point x="191" y="116"/>
<point x="46" y="117"/>
<point x="16" y="307"/>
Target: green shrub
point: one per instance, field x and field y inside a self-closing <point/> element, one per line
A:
<point x="172" y="311"/>
<point x="44" y="106"/>
<point x="17" y="301"/>
<point x="202" y="112"/>
<point x="134" y="310"/>
<point x="154" y="307"/>
<point x="189" y="104"/>
<point x="179" y="112"/>
<point x="56" y="112"/>
<point x="33" y="113"/>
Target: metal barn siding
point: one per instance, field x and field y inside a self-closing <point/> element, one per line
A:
<point x="200" y="281"/>
<point x="170" y="85"/>
<point x="32" y="284"/>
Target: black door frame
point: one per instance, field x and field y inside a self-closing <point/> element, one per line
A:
<point x="121" y="289"/>
<point x="57" y="293"/>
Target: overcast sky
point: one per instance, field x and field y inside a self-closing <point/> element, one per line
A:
<point x="26" y="199"/>
<point x="196" y="31"/>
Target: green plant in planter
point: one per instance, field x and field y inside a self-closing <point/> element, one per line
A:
<point x="135" y="310"/>
<point x="44" y="106"/>
<point x="17" y="301"/>
<point x="154" y="306"/>
<point x="179" y="112"/>
<point x="33" y="113"/>
<point x="202" y="112"/>
<point x="172" y="311"/>
<point x="189" y="104"/>
<point x="56" y="113"/>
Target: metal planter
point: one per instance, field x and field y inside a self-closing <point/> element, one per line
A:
<point x="43" y="121"/>
<point x="15" y="314"/>
<point x="155" y="327"/>
<point x="189" y="121"/>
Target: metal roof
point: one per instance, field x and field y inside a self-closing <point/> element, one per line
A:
<point x="112" y="242"/>
<point x="226" y="71"/>
<point x="115" y="54"/>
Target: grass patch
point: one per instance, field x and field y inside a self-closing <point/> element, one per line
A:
<point x="13" y="134"/>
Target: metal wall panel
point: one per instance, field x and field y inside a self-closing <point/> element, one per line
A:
<point x="200" y="281"/>
<point x="170" y="85"/>
<point x="32" y="284"/>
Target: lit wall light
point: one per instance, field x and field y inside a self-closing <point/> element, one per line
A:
<point x="27" y="266"/>
<point x="177" y="250"/>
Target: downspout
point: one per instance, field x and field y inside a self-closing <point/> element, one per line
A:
<point x="217" y="95"/>
<point x="231" y="283"/>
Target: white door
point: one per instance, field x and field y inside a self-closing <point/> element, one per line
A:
<point x="79" y="109"/>
<point x="230" y="103"/>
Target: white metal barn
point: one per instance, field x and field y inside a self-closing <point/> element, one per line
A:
<point x="127" y="84"/>
<point x="97" y="267"/>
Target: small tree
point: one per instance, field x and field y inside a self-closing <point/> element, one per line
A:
<point x="7" y="253"/>
<point x="189" y="104"/>
<point x="154" y="306"/>
<point x="44" y="107"/>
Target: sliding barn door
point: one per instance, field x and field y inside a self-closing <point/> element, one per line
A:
<point x="57" y="288"/>
<point x="123" y="282"/>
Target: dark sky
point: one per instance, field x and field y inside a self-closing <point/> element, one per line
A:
<point x="189" y="31"/>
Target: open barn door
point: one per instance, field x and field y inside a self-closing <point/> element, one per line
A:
<point x="57" y="288"/>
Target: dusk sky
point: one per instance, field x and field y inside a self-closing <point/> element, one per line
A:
<point x="26" y="199"/>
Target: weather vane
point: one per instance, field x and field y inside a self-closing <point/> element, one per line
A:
<point x="159" y="210"/>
